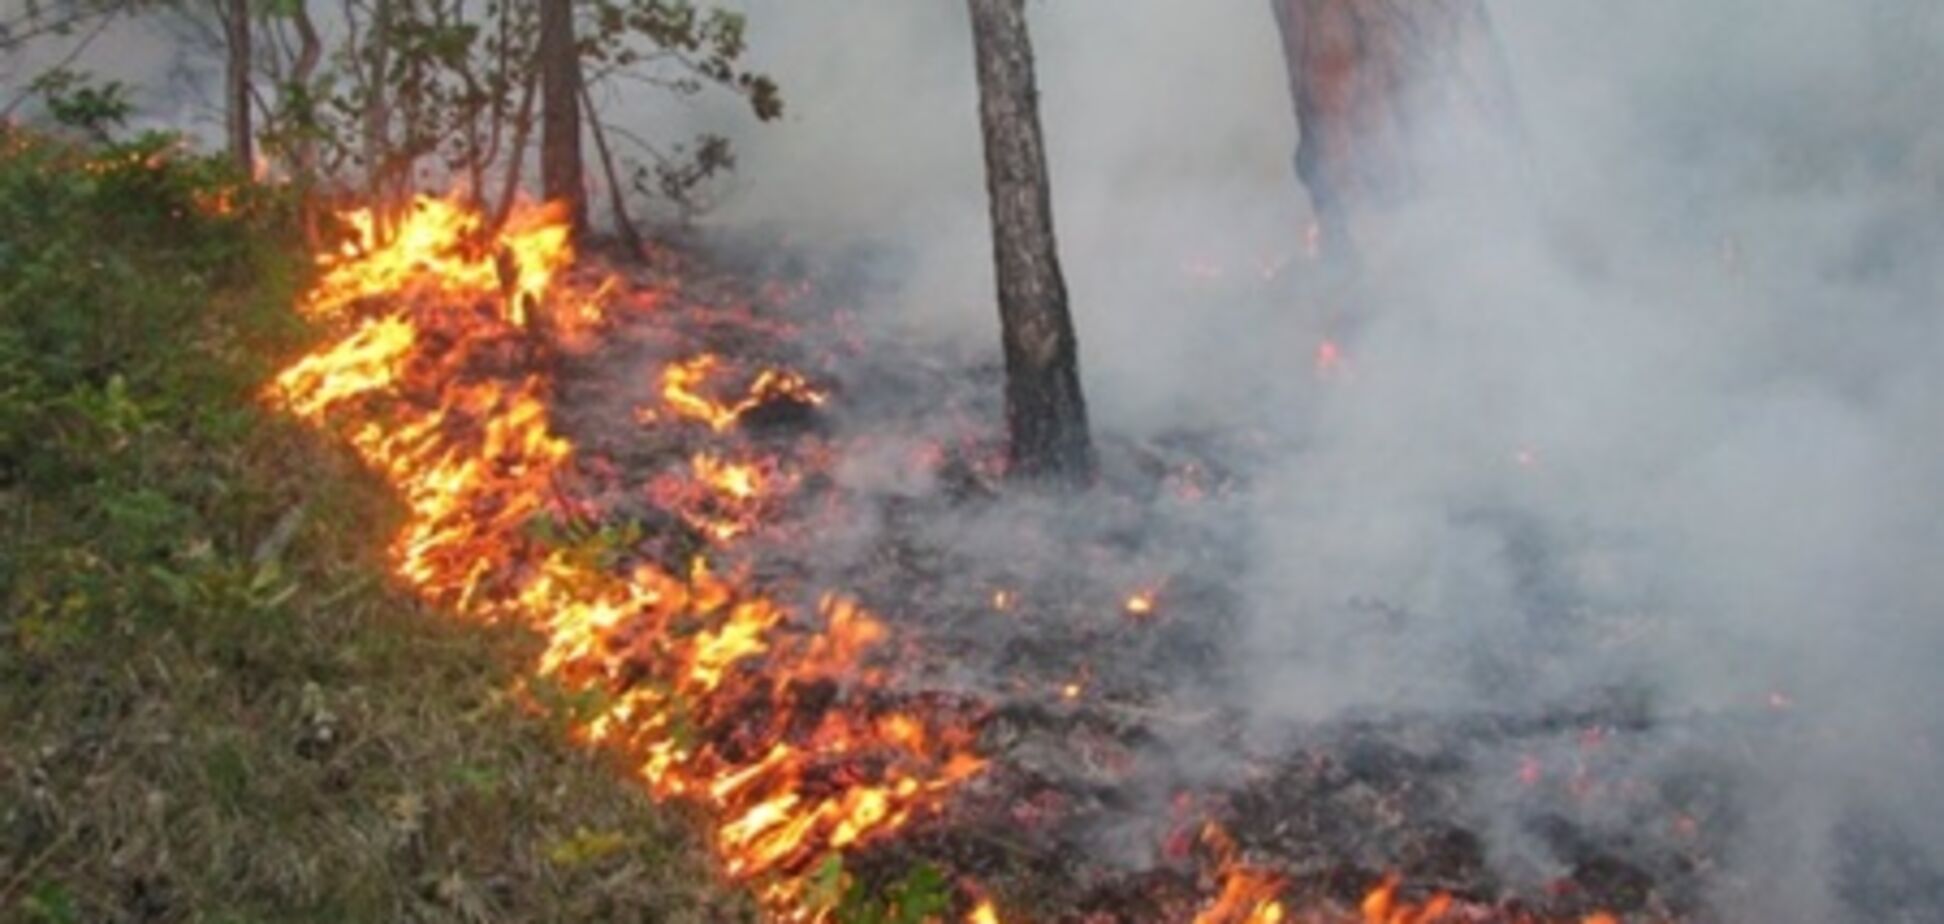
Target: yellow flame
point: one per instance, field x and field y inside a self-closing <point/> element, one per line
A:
<point x="475" y="461"/>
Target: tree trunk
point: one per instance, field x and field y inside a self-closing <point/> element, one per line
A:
<point x="516" y="158"/>
<point x="1394" y="100"/>
<point x="1046" y="415"/>
<point x="304" y="172"/>
<point x="377" y="118"/>
<point x="617" y="195"/>
<point x="236" y="86"/>
<point x="560" y="101"/>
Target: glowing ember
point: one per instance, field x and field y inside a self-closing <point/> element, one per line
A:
<point x="1329" y="359"/>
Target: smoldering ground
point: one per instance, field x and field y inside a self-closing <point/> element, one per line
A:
<point x="1662" y="418"/>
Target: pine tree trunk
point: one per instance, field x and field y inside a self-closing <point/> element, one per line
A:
<point x="236" y="85"/>
<point x="1392" y="97"/>
<point x="1046" y="415"/>
<point x="377" y="116"/>
<point x="560" y="101"/>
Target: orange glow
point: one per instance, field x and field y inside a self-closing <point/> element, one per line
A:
<point x="1141" y="604"/>
<point x="985" y="913"/>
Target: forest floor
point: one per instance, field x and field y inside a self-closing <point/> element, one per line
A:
<point x="214" y="706"/>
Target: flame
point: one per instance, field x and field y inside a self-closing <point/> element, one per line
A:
<point x="681" y="392"/>
<point x="438" y="252"/>
<point x="1382" y="906"/>
<point x="1249" y="895"/>
<point x="429" y="308"/>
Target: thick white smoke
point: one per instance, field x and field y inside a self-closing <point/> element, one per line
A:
<point x="1671" y="418"/>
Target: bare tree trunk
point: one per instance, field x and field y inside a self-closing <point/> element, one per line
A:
<point x="1046" y="414"/>
<point x="1393" y="97"/>
<point x="560" y="91"/>
<point x="516" y="157"/>
<point x="617" y="198"/>
<point x="377" y="116"/>
<point x="310" y="52"/>
<point x="236" y="23"/>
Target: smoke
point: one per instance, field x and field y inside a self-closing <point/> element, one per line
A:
<point x="1667" y="422"/>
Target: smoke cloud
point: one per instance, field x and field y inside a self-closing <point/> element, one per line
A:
<point x="1667" y="420"/>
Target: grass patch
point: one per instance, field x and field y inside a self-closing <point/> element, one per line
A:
<point x="214" y="706"/>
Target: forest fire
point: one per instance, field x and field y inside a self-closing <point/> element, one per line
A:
<point x="1505" y="498"/>
<point x="785" y="719"/>
<point x="428" y="386"/>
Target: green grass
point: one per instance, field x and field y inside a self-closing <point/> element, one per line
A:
<point x="213" y="706"/>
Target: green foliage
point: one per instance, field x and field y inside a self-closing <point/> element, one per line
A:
<point x="708" y="46"/>
<point x="448" y="84"/>
<point x="922" y="895"/>
<point x="123" y="349"/>
<point x="75" y="100"/>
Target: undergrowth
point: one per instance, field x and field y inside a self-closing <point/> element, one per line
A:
<point x="213" y="707"/>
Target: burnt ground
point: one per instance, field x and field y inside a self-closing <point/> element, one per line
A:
<point x="1090" y="636"/>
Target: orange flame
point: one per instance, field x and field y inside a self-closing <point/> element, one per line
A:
<point x="437" y="251"/>
<point x="682" y="383"/>
<point x="1382" y="906"/>
<point x="475" y="460"/>
<point x="1249" y="895"/>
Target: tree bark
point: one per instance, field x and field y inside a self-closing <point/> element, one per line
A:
<point x="377" y="118"/>
<point x="236" y="85"/>
<point x="560" y="101"/>
<point x="1046" y="415"/>
<point x="1393" y="98"/>
<point x="617" y="195"/>
<point x="516" y="158"/>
